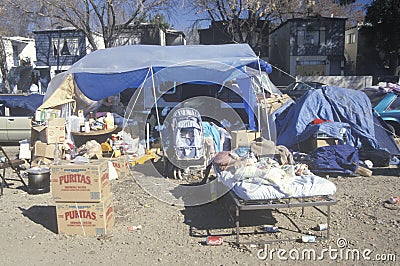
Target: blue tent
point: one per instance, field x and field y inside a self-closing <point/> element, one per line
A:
<point x="110" y="71"/>
<point x="346" y="108"/>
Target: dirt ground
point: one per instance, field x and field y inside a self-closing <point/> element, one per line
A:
<point x="364" y="229"/>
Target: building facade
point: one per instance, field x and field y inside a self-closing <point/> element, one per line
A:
<point x="58" y="49"/>
<point x="175" y="37"/>
<point x="150" y="34"/>
<point x="362" y="57"/>
<point x="309" y="46"/>
<point x="217" y="33"/>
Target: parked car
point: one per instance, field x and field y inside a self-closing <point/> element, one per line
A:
<point x="387" y="105"/>
<point x="16" y="113"/>
<point x="387" y="78"/>
<point x="389" y="109"/>
<point x="298" y="88"/>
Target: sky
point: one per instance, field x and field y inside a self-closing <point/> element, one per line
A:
<point x="185" y="17"/>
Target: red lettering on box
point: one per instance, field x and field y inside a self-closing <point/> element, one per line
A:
<point x="82" y="214"/>
<point x="75" y="178"/>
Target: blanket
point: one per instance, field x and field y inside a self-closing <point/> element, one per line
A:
<point x="301" y="186"/>
<point x="274" y="176"/>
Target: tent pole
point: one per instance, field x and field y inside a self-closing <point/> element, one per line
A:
<point x="265" y="100"/>
<point x="156" y="106"/>
<point x="148" y="136"/>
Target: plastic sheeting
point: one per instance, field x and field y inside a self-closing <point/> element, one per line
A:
<point x="329" y="103"/>
<point x="384" y="136"/>
<point x="30" y="102"/>
<point x="109" y="71"/>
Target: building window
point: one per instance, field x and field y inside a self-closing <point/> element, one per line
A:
<point x="128" y="40"/>
<point x="65" y="46"/>
<point x="15" y="55"/>
<point x="59" y="71"/>
<point x="311" y="37"/>
<point x="351" y="38"/>
<point x="311" y="68"/>
<point x="395" y="105"/>
<point x="311" y="62"/>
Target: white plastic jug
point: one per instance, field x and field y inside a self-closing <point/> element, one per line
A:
<point x="109" y="121"/>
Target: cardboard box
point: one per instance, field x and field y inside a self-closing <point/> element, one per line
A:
<point x="118" y="168"/>
<point x="243" y="138"/>
<point x="326" y="142"/>
<point x="314" y="142"/>
<point x="45" y="150"/>
<point x="87" y="182"/>
<point x="54" y="132"/>
<point x="85" y="218"/>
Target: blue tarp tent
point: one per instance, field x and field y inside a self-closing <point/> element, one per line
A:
<point x="30" y="102"/>
<point x="110" y="71"/>
<point x="346" y="108"/>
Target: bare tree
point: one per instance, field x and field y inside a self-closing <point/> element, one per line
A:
<point x="351" y="10"/>
<point x="108" y="17"/>
<point x="288" y="9"/>
<point x="243" y="17"/>
<point x="8" y="27"/>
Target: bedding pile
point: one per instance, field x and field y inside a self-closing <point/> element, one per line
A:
<point x="253" y="177"/>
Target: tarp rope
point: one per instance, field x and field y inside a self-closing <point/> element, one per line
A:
<point x="155" y="104"/>
<point x="137" y="97"/>
<point x="66" y="110"/>
<point x="265" y="100"/>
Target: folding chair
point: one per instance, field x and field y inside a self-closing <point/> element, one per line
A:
<point x="14" y="166"/>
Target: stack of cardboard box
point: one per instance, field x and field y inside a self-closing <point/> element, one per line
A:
<point x="243" y="138"/>
<point x="83" y="197"/>
<point x="44" y="138"/>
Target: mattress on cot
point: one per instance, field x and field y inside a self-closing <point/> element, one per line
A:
<point x="301" y="186"/>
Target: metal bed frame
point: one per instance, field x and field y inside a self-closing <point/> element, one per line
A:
<point x="315" y="201"/>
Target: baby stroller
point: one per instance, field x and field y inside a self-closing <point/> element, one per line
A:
<point x="186" y="143"/>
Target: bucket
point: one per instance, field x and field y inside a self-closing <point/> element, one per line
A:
<point x="38" y="180"/>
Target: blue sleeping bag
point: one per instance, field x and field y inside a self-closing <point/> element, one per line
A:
<point x="335" y="159"/>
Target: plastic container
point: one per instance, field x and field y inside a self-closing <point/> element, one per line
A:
<point x="87" y="126"/>
<point x="43" y="116"/>
<point x="270" y="228"/>
<point x="57" y="155"/>
<point x="322" y="227"/>
<point x="38" y="115"/>
<point x="81" y="117"/>
<point x="109" y="121"/>
<point x="74" y="122"/>
<point x="91" y="118"/>
<point x="214" y="240"/>
<point x="394" y="200"/>
<point x="308" y="239"/>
